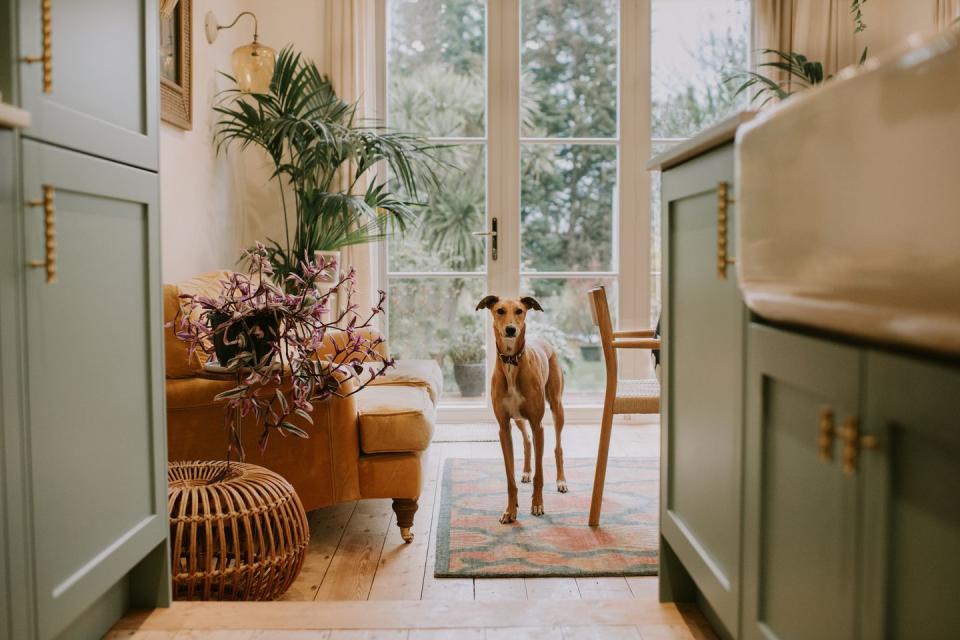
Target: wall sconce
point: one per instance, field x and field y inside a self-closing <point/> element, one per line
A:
<point x="252" y="63"/>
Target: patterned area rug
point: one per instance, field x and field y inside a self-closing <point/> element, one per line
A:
<point x="471" y="542"/>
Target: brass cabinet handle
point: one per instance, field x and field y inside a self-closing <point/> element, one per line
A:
<point x="853" y="442"/>
<point x="47" y="56"/>
<point x="826" y="434"/>
<point x="50" y="234"/>
<point x="723" y="202"/>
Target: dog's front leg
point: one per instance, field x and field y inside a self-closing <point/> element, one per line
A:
<point x="537" y="505"/>
<point x="506" y="444"/>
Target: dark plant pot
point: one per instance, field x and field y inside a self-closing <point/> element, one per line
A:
<point x="590" y="352"/>
<point x="470" y="378"/>
<point x="260" y="346"/>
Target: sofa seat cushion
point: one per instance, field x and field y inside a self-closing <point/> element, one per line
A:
<point x="395" y="418"/>
<point x="415" y="373"/>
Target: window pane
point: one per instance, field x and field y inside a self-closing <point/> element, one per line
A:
<point x="568" y="325"/>
<point x="434" y="319"/>
<point x="569" y="68"/>
<point x="443" y="239"/>
<point x="656" y="225"/>
<point x="697" y="45"/>
<point x="435" y="63"/>
<point x="567" y="204"/>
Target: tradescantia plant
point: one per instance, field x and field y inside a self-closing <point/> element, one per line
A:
<point x="275" y="333"/>
<point x="320" y="155"/>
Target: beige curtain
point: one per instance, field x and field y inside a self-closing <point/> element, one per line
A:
<point x="947" y="12"/>
<point x="822" y="30"/>
<point x="349" y="56"/>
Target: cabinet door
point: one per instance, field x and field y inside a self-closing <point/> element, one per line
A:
<point x="703" y="326"/>
<point x="800" y="512"/>
<point x="95" y="412"/>
<point x="101" y="97"/>
<point x="912" y="499"/>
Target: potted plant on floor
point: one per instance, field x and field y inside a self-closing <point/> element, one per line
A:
<point x="467" y="354"/>
<point x="238" y="531"/>
<point x="325" y="162"/>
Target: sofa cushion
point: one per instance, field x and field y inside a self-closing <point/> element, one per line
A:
<point x="179" y="362"/>
<point x="415" y="373"/>
<point x="395" y="418"/>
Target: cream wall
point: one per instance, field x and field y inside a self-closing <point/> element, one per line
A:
<point x="212" y="207"/>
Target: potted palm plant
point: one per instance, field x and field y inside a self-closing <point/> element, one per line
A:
<point x="324" y="160"/>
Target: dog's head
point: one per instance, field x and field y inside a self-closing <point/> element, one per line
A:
<point x="509" y="315"/>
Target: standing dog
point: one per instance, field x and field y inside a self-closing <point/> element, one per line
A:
<point x="527" y="377"/>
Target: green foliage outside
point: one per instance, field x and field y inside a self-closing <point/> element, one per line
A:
<point x="569" y="88"/>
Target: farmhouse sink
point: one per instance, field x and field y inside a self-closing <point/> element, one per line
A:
<point x="849" y="202"/>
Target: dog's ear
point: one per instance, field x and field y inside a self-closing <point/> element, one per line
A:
<point x="531" y="303"/>
<point x="487" y="302"/>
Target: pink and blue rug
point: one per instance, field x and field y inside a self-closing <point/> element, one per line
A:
<point x="471" y="542"/>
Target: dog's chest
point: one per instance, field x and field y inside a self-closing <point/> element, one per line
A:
<point x="513" y="399"/>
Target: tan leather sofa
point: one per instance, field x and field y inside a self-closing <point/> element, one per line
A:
<point x="369" y="445"/>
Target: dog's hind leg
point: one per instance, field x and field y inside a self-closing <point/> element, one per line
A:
<point x="537" y="504"/>
<point x="554" y="392"/>
<point x="527" y="444"/>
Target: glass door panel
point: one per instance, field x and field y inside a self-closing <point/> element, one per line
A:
<point x="436" y="272"/>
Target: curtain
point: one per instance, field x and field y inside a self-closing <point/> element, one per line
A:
<point x="349" y="57"/>
<point x="947" y="12"/>
<point x="822" y="30"/>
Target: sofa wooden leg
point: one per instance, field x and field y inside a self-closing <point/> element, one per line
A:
<point x="405" y="508"/>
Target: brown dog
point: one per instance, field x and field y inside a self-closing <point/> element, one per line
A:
<point x="527" y="376"/>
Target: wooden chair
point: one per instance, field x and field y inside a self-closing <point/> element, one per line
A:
<point x="621" y="396"/>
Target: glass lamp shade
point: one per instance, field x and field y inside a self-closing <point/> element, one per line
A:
<point x="253" y="67"/>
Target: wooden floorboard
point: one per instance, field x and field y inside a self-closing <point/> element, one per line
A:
<point x="361" y="582"/>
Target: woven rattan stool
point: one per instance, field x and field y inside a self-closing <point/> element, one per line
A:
<point x="235" y="536"/>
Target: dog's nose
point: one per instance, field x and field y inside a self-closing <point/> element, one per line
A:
<point x="510" y="330"/>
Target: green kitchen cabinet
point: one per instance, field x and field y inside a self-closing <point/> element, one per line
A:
<point x="852" y="491"/>
<point x="97" y="93"/>
<point x="703" y="327"/>
<point x="911" y="500"/>
<point x="84" y="437"/>
<point x="800" y="512"/>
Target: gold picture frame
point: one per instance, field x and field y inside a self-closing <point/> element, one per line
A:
<point x="176" y="63"/>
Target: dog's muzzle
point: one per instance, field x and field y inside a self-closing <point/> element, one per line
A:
<point x="510" y="331"/>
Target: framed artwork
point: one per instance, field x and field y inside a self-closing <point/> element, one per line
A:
<point x="176" y="40"/>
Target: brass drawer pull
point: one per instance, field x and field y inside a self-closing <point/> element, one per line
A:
<point x="50" y="235"/>
<point x="47" y="56"/>
<point x="723" y="202"/>
<point x="826" y="434"/>
<point x="853" y="442"/>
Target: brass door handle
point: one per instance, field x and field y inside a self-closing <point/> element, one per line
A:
<point x="825" y="435"/>
<point x="723" y="202"/>
<point x="493" y="234"/>
<point x="46" y="56"/>
<point x="853" y="442"/>
<point x="50" y="234"/>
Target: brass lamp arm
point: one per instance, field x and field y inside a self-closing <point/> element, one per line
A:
<point x="213" y="27"/>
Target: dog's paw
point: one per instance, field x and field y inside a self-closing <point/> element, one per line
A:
<point x="525" y="477"/>
<point x="562" y="486"/>
<point x="508" y="517"/>
<point x="537" y="510"/>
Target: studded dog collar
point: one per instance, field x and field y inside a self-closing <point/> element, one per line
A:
<point x="512" y="360"/>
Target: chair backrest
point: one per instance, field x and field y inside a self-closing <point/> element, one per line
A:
<point x="601" y="318"/>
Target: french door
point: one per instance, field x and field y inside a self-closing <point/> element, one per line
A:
<point x="543" y="191"/>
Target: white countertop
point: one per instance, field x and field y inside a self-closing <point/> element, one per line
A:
<point x="12" y="117"/>
<point x="720" y="133"/>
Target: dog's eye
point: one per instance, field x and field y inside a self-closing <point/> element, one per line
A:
<point x="518" y="311"/>
<point x="501" y="311"/>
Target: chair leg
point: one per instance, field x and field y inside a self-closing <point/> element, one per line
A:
<point x="606" y="427"/>
<point x="405" y="508"/>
